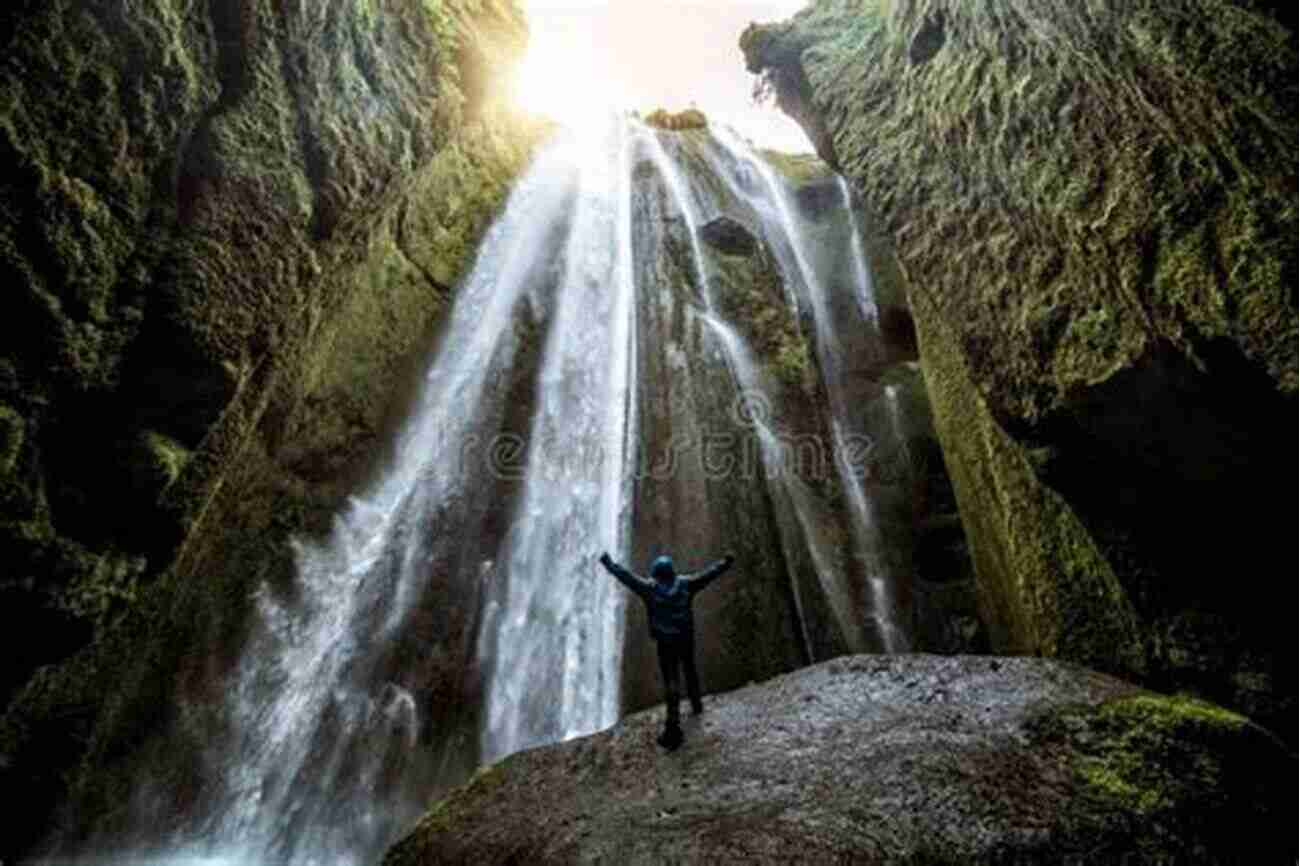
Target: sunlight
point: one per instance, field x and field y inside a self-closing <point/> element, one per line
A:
<point x="588" y="57"/>
<point x="565" y="76"/>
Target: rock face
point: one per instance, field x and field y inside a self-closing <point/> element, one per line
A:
<point x="889" y="760"/>
<point x="726" y="235"/>
<point x="690" y="118"/>
<point x="214" y="238"/>
<point x="1092" y="208"/>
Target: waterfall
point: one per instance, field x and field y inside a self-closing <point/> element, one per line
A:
<point x="552" y="635"/>
<point x="312" y="757"/>
<point x="514" y="470"/>
<point x="786" y="489"/>
<point x="866" y="293"/>
<point x="773" y="206"/>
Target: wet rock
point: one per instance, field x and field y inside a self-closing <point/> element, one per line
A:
<point x="726" y="235"/>
<point x="818" y="199"/>
<point x="898" y="329"/>
<point x="695" y="486"/>
<point x="889" y="760"/>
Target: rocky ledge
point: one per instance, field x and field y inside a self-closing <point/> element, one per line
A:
<point x="903" y="759"/>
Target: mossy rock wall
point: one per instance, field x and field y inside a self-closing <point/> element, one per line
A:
<point x="227" y="235"/>
<point x="1092" y="206"/>
<point x="921" y="541"/>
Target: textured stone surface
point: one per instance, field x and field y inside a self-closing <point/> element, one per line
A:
<point x="886" y="389"/>
<point x="728" y="236"/>
<point x="1092" y="206"/>
<point x="901" y="759"/>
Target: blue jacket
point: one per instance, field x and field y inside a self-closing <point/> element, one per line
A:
<point x="668" y="602"/>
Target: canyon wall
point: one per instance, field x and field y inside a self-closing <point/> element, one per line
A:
<point x="228" y="232"/>
<point x="1092" y="206"/>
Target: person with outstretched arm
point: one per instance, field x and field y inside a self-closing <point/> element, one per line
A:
<point x="667" y="596"/>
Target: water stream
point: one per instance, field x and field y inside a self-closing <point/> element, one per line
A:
<point x="317" y="753"/>
<point x="771" y="201"/>
<point x="552" y="637"/>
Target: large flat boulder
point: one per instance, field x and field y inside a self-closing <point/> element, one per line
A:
<point x="889" y="759"/>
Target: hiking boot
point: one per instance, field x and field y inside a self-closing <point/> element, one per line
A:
<point x="671" y="738"/>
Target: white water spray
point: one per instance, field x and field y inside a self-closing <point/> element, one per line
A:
<point x="553" y="638"/>
<point x="774" y="206"/>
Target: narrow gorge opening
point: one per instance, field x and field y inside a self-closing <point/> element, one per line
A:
<point x="350" y="335"/>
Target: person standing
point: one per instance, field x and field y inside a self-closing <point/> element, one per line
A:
<point x="667" y="596"/>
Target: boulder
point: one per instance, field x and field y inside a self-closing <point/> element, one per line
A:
<point x="903" y="759"/>
<point x="728" y="236"/>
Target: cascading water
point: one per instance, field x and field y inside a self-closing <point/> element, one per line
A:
<point x="313" y="759"/>
<point x="552" y="636"/>
<point x="786" y="488"/>
<point x="321" y="753"/>
<point x="865" y="293"/>
<point x="773" y="207"/>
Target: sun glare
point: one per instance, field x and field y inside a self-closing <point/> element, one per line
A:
<point x="567" y="77"/>
<point x="586" y="58"/>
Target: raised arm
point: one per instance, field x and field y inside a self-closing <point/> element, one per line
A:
<point x="697" y="582"/>
<point x="639" y="585"/>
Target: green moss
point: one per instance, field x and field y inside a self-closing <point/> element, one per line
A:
<point x="158" y="460"/>
<point x="792" y="365"/>
<point x="12" y="428"/>
<point x="835" y="26"/>
<point x="1045" y="585"/>
<point x="1091" y="212"/>
<point x="797" y="168"/>
<point x="443" y="814"/>
<point x="1184" y="282"/>
<point x="966" y="143"/>
<point x="691" y="118"/>
<point x="105" y="585"/>
<point x="1092" y="327"/>
<point x="464" y="188"/>
<point x="752" y="296"/>
<point x="324" y="219"/>
<point x="1148" y="752"/>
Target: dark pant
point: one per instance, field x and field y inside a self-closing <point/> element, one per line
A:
<point x="676" y="654"/>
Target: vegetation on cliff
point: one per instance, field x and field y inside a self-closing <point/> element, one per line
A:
<point x="1092" y="207"/>
<point x="214" y="233"/>
<point x="689" y="118"/>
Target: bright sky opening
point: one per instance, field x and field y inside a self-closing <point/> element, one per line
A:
<point x="586" y="57"/>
